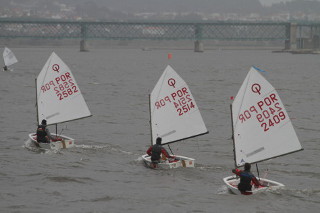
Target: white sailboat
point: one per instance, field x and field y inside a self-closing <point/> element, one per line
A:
<point x="261" y="127"/>
<point x="174" y="116"/>
<point x="59" y="99"/>
<point x="9" y="59"/>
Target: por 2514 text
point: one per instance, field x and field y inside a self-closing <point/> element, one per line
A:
<point x="181" y="99"/>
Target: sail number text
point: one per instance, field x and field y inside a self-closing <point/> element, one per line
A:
<point x="62" y="85"/>
<point x="181" y="99"/>
<point x="268" y="112"/>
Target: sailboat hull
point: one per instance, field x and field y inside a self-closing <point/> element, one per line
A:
<point x="180" y="161"/>
<point x="7" y="70"/>
<point x="66" y="142"/>
<point x="233" y="181"/>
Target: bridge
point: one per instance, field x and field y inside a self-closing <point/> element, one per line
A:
<point x="294" y="35"/>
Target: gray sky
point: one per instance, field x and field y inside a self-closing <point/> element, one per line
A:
<point x="269" y="2"/>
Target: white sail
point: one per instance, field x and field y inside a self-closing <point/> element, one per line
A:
<point x="59" y="98"/>
<point x="262" y="127"/>
<point x="8" y="57"/>
<point x="174" y="112"/>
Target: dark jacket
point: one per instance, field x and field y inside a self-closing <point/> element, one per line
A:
<point x="43" y="134"/>
<point x="155" y="152"/>
<point x="246" y="177"/>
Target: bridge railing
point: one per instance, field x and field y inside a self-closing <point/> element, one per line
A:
<point x="144" y="30"/>
<point x="288" y="32"/>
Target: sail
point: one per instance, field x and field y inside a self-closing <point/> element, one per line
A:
<point x="262" y="127"/>
<point x="173" y="110"/>
<point x="59" y="98"/>
<point x="8" y="57"/>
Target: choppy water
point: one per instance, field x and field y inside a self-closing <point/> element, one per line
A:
<point x="104" y="172"/>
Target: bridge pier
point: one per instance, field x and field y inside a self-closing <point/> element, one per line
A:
<point x="83" y="46"/>
<point x="293" y="36"/>
<point x="198" y="46"/>
<point x="83" y="42"/>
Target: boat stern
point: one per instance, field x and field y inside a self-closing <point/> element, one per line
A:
<point x="66" y="142"/>
<point x="179" y="161"/>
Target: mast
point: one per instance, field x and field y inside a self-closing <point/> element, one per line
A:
<point x="4" y="51"/>
<point x="3" y="59"/>
<point x="150" y="119"/>
<point x="37" y="102"/>
<point x="234" y="148"/>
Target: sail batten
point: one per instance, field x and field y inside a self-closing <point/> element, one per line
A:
<point x="174" y="113"/>
<point x="276" y="156"/>
<point x="262" y="128"/>
<point x="59" y="98"/>
<point x="182" y="139"/>
<point x="69" y="120"/>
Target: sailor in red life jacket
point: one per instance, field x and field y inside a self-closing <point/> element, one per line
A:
<point x="156" y="150"/>
<point x="246" y="177"/>
<point x="43" y="134"/>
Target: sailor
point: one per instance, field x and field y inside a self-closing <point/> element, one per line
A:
<point x="5" y="68"/>
<point x="246" y="177"/>
<point x="156" y="150"/>
<point x="43" y="134"/>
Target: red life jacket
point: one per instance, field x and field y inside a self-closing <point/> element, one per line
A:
<point x="41" y="134"/>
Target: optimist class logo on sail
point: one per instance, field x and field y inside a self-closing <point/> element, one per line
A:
<point x="56" y="67"/>
<point x="268" y="111"/>
<point x="181" y="99"/>
<point x="63" y="85"/>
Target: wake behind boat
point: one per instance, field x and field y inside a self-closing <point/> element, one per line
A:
<point x="261" y="128"/>
<point x="174" y="116"/>
<point x="59" y="100"/>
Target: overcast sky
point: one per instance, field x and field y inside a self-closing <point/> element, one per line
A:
<point x="269" y="2"/>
